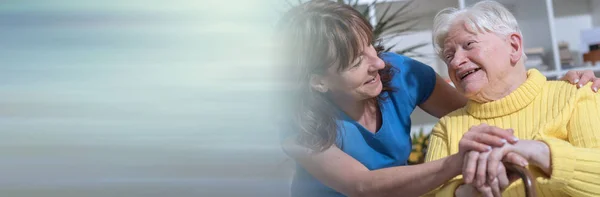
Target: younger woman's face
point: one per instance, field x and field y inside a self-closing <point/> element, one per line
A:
<point x="358" y="81"/>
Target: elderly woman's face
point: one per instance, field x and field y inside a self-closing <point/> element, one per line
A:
<point x="476" y="62"/>
<point x="360" y="80"/>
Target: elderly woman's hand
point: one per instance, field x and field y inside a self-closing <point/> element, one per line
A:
<point x="536" y="152"/>
<point x="466" y="191"/>
<point x="483" y="138"/>
<point x="494" y="188"/>
<point x="581" y="78"/>
<point x="482" y="169"/>
<point x="475" y="168"/>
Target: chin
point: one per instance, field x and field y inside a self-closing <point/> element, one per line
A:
<point x="373" y="93"/>
<point x="477" y="97"/>
<point x="471" y="91"/>
<point x="378" y="90"/>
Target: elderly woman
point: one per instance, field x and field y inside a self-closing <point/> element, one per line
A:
<point x="556" y="122"/>
<point x="352" y="105"/>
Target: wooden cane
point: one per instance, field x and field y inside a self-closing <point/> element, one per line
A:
<point x="528" y="179"/>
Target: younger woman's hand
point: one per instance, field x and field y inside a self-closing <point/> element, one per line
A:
<point x="483" y="138"/>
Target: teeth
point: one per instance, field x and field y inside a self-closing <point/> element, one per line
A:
<point x="467" y="73"/>
<point x="464" y="75"/>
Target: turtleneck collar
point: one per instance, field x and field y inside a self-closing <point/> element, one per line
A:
<point x="515" y="101"/>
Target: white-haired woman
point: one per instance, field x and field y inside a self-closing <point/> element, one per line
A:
<point x="556" y="122"/>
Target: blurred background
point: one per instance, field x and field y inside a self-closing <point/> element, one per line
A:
<point x="138" y="98"/>
<point x="182" y="98"/>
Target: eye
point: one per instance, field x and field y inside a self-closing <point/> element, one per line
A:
<point x="470" y="44"/>
<point x="449" y="57"/>
<point x="357" y="63"/>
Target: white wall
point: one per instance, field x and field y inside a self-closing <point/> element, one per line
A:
<point x="420" y="37"/>
<point x="568" y="28"/>
<point x="570" y="17"/>
<point x="532" y="16"/>
<point x="571" y="7"/>
<point x="595" y="6"/>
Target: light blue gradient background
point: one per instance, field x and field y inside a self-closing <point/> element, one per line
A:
<point x="139" y="98"/>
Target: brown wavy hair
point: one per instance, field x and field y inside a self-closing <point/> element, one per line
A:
<point x="317" y="35"/>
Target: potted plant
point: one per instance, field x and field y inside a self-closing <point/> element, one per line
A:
<point x="391" y="23"/>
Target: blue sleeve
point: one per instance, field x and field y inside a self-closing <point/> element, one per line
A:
<point x="413" y="77"/>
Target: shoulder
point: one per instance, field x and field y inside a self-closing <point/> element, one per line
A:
<point x="562" y="96"/>
<point x="415" y="78"/>
<point x="559" y="93"/>
<point x="560" y="88"/>
<point x="408" y="67"/>
<point x="400" y="61"/>
<point x="393" y="58"/>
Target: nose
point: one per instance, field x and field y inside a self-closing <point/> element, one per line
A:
<point x="377" y="65"/>
<point x="458" y="60"/>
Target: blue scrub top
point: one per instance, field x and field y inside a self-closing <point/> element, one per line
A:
<point x="391" y="144"/>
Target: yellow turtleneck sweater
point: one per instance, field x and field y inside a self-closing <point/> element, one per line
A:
<point x="555" y="112"/>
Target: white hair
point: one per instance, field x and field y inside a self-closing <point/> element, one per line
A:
<point x="485" y="16"/>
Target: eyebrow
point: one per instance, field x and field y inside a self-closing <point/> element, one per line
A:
<point x="445" y="50"/>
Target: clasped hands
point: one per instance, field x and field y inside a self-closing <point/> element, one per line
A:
<point x="484" y="148"/>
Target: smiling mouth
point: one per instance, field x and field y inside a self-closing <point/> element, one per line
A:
<point x="372" y="80"/>
<point x="468" y="73"/>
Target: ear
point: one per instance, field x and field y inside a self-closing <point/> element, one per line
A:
<point x="318" y="83"/>
<point x="516" y="46"/>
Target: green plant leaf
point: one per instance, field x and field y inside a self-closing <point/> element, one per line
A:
<point x="412" y="48"/>
<point x="365" y="12"/>
<point x="355" y="4"/>
<point x="382" y="24"/>
<point x="409" y="23"/>
<point x="388" y="49"/>
<point x="385" y="13"/>
<point x="388" y="24"/>
<point x="413" y="54"/>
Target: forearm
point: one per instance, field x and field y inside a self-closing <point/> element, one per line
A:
<point x="443" y="100"/>
<point x="414" y="180"/>
<point x="542" y="159"/>
<point x="575" y="170"/>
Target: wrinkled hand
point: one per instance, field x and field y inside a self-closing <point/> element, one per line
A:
<point x="581" y="78"/>
<point x="475" y="170"/>
<point x="466" y="191"/>
<point x="496" y="186"/>
<point x="483" y="137"/>
<point x="535" y="152"/>
<point x="486" y="172"/>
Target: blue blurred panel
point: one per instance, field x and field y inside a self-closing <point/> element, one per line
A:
<point x="139" y="98"/>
